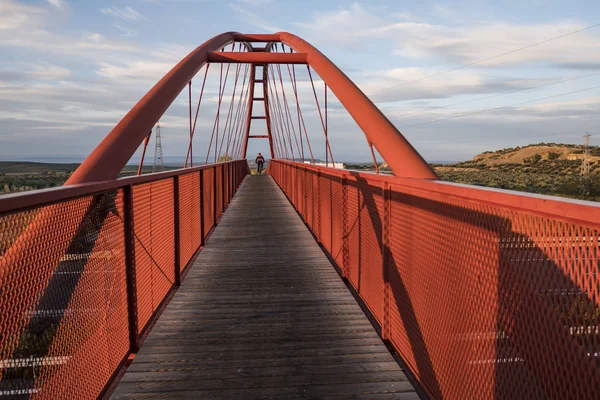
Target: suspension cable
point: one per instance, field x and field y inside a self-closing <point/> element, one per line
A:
<point x="326" y="131"/>
<point x="190" y="149"/>
<point x="146" y="140"/>
<point x="234" y="127"/>
<point x="231" y="106"/>
<point x="374" y="158"/>
<point x="276" y="131"/>
<point x="320" y="114"/>
<point x="272" y="114"/>
<point x="237" y="146"/>
<point x="276" y="118"/>
<point x="280" y="115"/>
<point x="222" y="85"/>
<point x="300" y="115"/>
<point x="197" y="111"/>
<point x="297" y="107"/>
<point x="288" y="116"/>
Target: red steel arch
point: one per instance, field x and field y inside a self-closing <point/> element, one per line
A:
<point x="115" y="150"/>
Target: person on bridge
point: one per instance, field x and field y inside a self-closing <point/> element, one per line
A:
<point x="260" y="161"/>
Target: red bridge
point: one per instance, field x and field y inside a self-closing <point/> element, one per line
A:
<point x="307" y="282"/>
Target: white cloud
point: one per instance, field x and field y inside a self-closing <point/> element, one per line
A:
<point x="355" y="27"/>
<point x="136" y="70"/>
<point x="254" y="19"/>
<point x="126" y="13"/>
<point x="40" y="71"/>
<point x="25" y="27"/>
<point x="14" y="15"/>
<point x="46" y="71"/>
<point x="442" y="11"/>
<point x="125" y="32"/>
<point x="256" y="3"/>
<point x="45" y="41"/>
<point x="60" y="4"/>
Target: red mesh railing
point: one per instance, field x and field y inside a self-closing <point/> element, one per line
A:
<point x="484" y="293"/>
<point x="153" y="219"/>
<point x="84" y="269"/>
<point x="219" y="190"/>
<point x="209" y="198"/>
<point x="190" y="228"/>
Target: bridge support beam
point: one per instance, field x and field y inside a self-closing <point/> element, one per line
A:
<point x="256" y="58"/>
<point x="400" y="155"/>
<point x="113" y="153"/>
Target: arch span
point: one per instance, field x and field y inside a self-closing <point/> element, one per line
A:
<point x="111" y="155"/>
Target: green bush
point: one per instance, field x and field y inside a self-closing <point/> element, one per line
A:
<point x="553" y="156"/>
<point x="534" y="159"/>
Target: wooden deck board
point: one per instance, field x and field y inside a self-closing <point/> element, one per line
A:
<point x="263" y="314"/>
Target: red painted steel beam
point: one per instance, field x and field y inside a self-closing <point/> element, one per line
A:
<point x="257" y="58"/>
<point x="260" y="37"/>
<point x="112" y="154"/>
<point x="109" y="158"/>
<point x="400" y="155"/>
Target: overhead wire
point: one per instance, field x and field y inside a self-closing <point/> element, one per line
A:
<point x="501" y="107"/>
<point x="485" y="59"/>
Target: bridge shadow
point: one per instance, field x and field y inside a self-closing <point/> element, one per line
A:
<point x="499" y="310"/>
<point x="53" y="305"/>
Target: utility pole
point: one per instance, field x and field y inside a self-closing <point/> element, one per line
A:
<point x="159" y="162"/>
<point x="585" y="165"/>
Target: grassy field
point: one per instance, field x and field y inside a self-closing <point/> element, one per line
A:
<point x="19" y="176"/>
<point x="545" y="168"/>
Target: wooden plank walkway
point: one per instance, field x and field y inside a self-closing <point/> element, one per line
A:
<point x="263" y="314"/>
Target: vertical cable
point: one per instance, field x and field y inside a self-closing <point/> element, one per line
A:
<point x="320" y="114"/>
<point x="196" y="117"/>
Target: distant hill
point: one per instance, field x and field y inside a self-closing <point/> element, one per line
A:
<point x="28" y="167"/>
<point x="527" y="154"/>
<point x="545" y="168"/>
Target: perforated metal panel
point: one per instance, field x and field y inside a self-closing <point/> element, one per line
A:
<point x="485" y="294"/>
<point x="371" y="281"/>
<point x="208" y="191"/>
<point x="153" y="218"/>
<point x="63" y="312"/>
<point x="219" y="190"/>
<point x="189" y="216"/>
<point x="81" y="277"/>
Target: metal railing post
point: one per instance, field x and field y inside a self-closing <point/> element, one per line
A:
<point x="318" y="206"/>
<point x="345" y="244"/>
<point x="177" y="233"/>
<point x="386" y="260"/>
<point x="130" y="276"/>
<point x="223" y="183"/>
<point x="230" y="182"/>
<point x="202" y="233"/>
<point x="304" y="211"/>
<point x="214" y="196"/>
<point x="231" y="178"/>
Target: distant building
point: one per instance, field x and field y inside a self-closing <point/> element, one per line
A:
<point x="337" y="165"/>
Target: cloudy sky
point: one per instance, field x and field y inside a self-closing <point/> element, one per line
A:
<point x="456" y="77"/>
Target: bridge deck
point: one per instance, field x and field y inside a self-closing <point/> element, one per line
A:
<point x="263" y="314"/>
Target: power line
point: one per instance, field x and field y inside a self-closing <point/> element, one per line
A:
<point x="505" y="93"/>
<point x="498" y="108"/>
<point x="486" y="59"/>
<point x="426" y="142"/>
